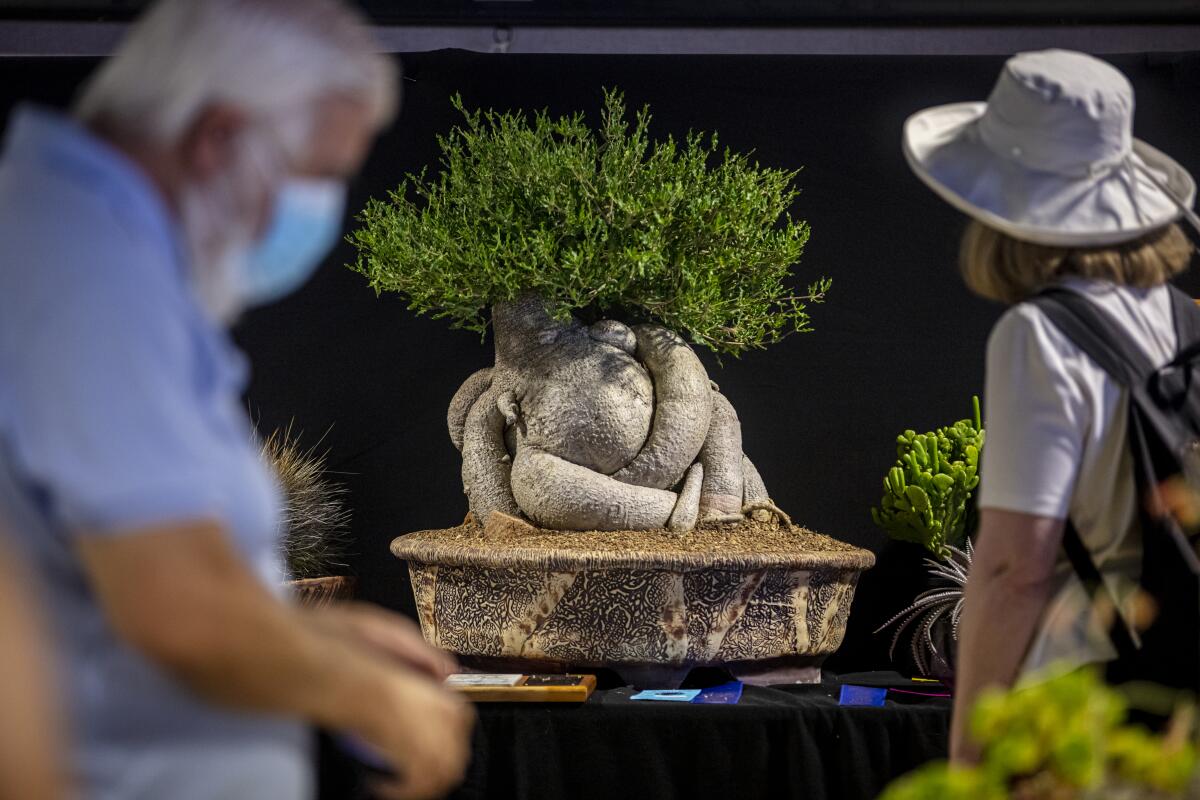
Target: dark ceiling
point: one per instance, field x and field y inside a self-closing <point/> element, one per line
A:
<point x="695" y="12"/>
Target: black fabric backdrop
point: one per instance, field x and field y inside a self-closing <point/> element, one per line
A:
<point x="899" y="344"/>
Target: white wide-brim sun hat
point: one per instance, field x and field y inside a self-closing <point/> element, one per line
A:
<point x="1050" y="157"/>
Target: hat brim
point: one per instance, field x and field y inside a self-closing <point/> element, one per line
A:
<point x="944" y="149"/>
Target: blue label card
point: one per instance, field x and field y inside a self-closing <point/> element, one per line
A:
<point x="725" y="694"/>
<point x="668" y="695"/>
<point x="861" y="696"/>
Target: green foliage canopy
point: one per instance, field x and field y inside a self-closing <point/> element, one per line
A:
<point x="593" y="221"/>
<point x="926" y="495"/>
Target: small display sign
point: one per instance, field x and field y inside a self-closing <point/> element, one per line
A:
<point x="455" y="681"/>
<point x="513" y="688"/>
<point x="668" y="695"/>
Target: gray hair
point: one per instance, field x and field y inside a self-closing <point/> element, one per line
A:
<point x="271" y="58"/>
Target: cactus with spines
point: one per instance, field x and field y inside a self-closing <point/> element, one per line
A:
<point x="315" y="525"/>
<point x="927" y="493"/>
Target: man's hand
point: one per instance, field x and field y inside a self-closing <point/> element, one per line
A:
<point x="424" y="732"/>
<point x="183" y="597"/>
<point x="393" y="635"/>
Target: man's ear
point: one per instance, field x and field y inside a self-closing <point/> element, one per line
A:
<point x="207" y="145"/>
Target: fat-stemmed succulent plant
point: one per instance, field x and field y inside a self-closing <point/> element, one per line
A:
<point x="600" y="251"/>
<point x="941" y="603"/>
<point x="927" y="494"/>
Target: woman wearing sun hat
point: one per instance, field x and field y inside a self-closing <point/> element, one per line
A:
<point x="1060" y="194"/>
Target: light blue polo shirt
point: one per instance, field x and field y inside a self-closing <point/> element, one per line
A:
<point x="120" y="409"/>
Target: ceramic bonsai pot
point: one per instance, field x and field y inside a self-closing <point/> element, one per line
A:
<point x="649" y="605"/>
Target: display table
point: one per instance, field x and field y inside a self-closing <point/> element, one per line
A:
<point x="778" y="742"/>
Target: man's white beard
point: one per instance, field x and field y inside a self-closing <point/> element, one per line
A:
<point x="217" y="243"/>
<point x="219" y="231"/>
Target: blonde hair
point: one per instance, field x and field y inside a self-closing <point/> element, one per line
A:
<point x="999" y="267"/>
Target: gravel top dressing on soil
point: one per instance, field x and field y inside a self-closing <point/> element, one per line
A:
<point x="750" y="544"/>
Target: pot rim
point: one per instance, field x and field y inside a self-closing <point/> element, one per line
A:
<point x="413" y="548"/>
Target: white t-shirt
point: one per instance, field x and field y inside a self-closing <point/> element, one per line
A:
<point x="1056" y="447"/>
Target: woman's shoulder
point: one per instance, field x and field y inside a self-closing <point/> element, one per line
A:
<point x="1024" y="327"/>
<point x="1029" y="350"/>
<point x="1145" y="313"/>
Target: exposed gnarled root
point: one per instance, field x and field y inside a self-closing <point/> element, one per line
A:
<point x="487" y="466"/>
<point x="761" y="506"/>
<point x="753" y="487"/>
<point x="687" y="507"/>
<point x="682" y="409"/>
<point x="464" y="399"/>
<point x="721" y="455"/>
<point x="559" y="495"/>
<point x="615" y="333"/>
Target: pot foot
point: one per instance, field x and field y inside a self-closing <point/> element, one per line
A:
<point x="777" y="671"/>
<point x="652" y="676"/>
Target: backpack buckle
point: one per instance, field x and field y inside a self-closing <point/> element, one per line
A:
<point x="1169" y="385"/>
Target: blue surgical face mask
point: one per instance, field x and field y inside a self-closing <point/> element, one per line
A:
<point x="304" y="226"/>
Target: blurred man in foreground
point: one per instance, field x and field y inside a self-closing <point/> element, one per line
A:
<point x="203" y="172"/>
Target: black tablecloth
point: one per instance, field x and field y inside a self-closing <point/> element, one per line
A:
<point x="778" y="742"/>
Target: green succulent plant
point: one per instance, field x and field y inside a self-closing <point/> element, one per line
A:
<point x="593" y="221"/>
<point x="927" y="494"/>
<point x="1062" y="738"/>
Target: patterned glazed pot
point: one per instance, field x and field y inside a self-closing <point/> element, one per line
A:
<point x="649" y="615"/>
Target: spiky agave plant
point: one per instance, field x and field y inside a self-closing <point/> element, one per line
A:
<point x="941" y="602"/>
<point x="316" y="521"/>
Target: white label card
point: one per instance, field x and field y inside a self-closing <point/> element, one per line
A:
<point x="483" y="680"/>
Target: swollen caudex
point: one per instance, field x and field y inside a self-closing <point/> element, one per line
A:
<point x="597" y="428"/>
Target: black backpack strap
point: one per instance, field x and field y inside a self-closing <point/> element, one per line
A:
<point x="1153" y="390"/>
<point x="1103" y="340"/>
<point x="1187" y="319"/>
<point x="1097" y="334"/>
<point x="1085" y="568"/>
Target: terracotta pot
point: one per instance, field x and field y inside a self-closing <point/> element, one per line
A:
<point x="650" y="616"/>
<point x="317" y="592"/>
